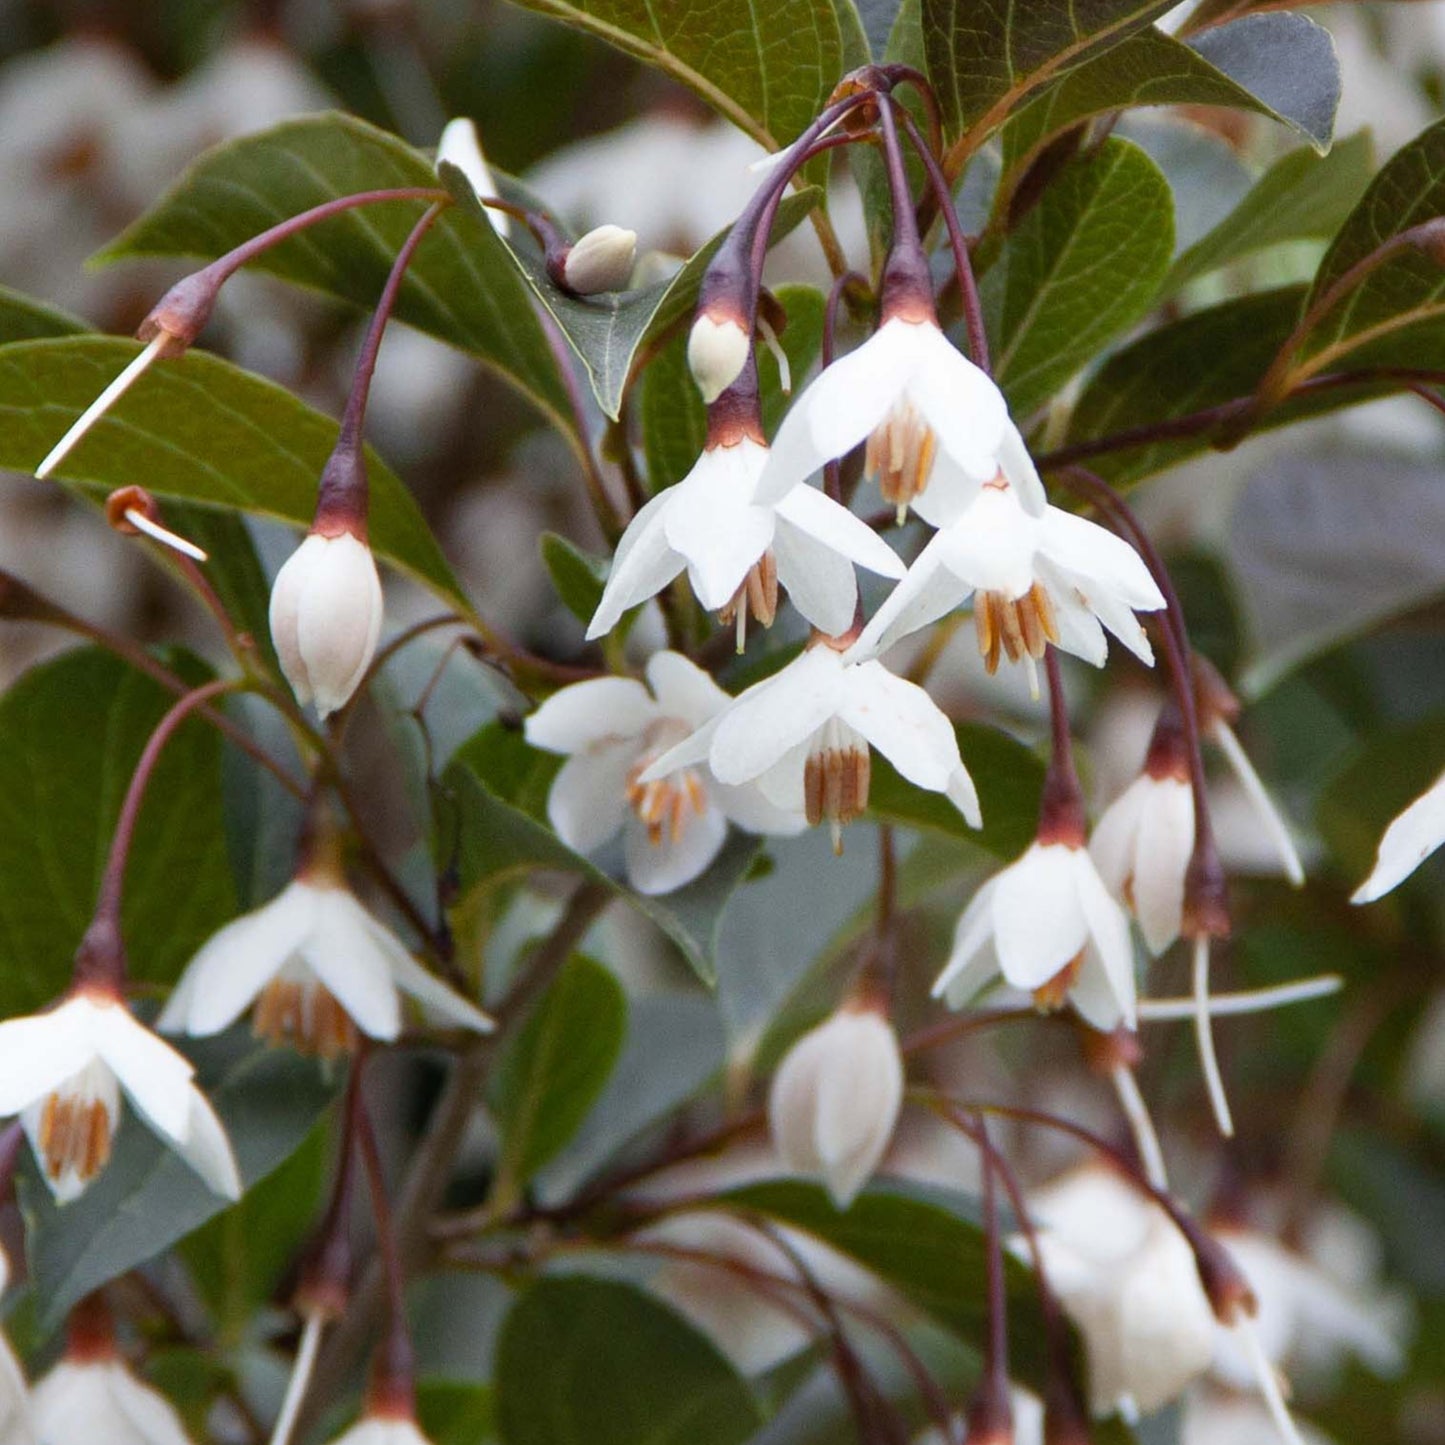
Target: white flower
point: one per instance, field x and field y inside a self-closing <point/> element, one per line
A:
<point x="1049" y="926"/>
<point x="462" y="147"/>
<point x="938" y="428"/>
<point x="611" y="729"/>
<point x="317" y="966"/>
<point x="1407" y="843"/>
<point x="63" y="1072"/>
<point x="737" y="550"/>
<point x="1128" y="1280"/>
<point x="16" y="1425"/>
<point x="835" y="1099"/>
<point x="602" y="260"/>
<point x="1142" y="845"/>
<point x="326" y="618"/>
<point x="1034" y="578"/>
<point x="803" y="736"/>
<point x="99" y="1401"/>
<point x="380" y="1429"/>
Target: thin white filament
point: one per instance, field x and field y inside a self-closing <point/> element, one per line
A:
<point x="785" y="370"/>
<point x="1274" y="823"/>
<point x="742" y="620"/>
<point x="1136" y="1111"/>
<point x="1161" y="1010"/>
<point x="300" y="1379"/>
<point x="101" y="405"/>
<point x="1205" y="1034"/>
<point x="163" y="535"/>
<point x="1033" y="671"/>
<point x="1268" y="1380"/>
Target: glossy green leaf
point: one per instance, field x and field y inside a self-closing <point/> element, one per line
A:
<point x="586" y="1361"/>
<point x="462" y="285"/>
<point x="496" y="790"/>
<point x="1084" y="266"/>
<point x="147" y="1198"/>
<point x="1009" y="778"/>
<point x="198" y="430"/>
<point x="577" y="577"/>
<point x="550" y="1073"/>
<point x="1282" y="66"/>
<point x="71" y="732"/>
<point x="23" y="319"/>
<point x="986" y="57"/>
<point x="1302" y="196"/>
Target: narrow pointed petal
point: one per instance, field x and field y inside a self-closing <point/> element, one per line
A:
<point x="720" y="534"/>
<point x="751" y="809"/>
<point x="439" y="1001"/>
<point x="346" y="961"/>
<point x="656" y="868"/>
<point x="683" y="690"/>
<point x="595" y="711"/>
<point x="1039" y="922"/>
<point x="38" y="1053"/>
<point x="962" y="405"/>
<point x="587" y="802"/>
<point x="1407" y="843"/>
<point x="820" y="583"/>
<point x="825" y="520"/>
<point x="1166" y="843"/>
<point x="155" y="1077"/>
<point x="1079" y="632"/>
<point x="1109" y="930"/>
<point x="1095" y="554"/>
<point x="207" y="1150"/>
<point x="775" y="716"/>
<point x="643" y="565"/>
<point x="905" y="725"/>
<point x="1018" y="467"/>
<point x="971" y="956"/>
<point x="928" y="592"/>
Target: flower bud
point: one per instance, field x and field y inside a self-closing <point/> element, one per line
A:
<point x="835" y="1100"/>
<point x="717" y="351"/>
<point x="601" y="260"/>
<point x="326" y="618"/>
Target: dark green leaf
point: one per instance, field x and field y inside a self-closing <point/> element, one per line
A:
<point x="269" y="1100"/>
<point x="986" y="57"/>
<point x="496" y="787"/>
<point x="1302" y="196"/>
<point x="591" y="1362"/>
<point x="1282" y="66"/>
<point x="233" y="567"/>
<point x="455" y="1412"/>
<point x="551" y="1072"/>
<point x="198" y="430"/>
<point x="24" y="319"/>
<point x="1008" y="776"/>
<point x="461" y="286"/>
<point x="71" y="732"/>
<point x="576" y="575"/>
<point x="1083" y="267"/>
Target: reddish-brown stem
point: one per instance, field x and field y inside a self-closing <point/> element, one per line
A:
<point x="1061" y="808"/>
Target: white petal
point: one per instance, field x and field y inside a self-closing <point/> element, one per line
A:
<point x="154" y="1076"/>
<point x="971" y="957"/>
<point x="859" y="1092"/>
<point x="1039" y="921"/>
<point x="1018" y="467"/>
<point x="643" y="565"/>
<point x="963" y="794"/>
<point x="207" y="1150"/>
<point x="1114" y="843"/>
<point x="817" y="514"/>
<point x="39" y="1052"/>
<point x="1078" y="628"/>
<point x="776" y="715"/>
<point x="595" y="711"/>
<point x="905" y="724"/>
<point x="462" y="147"/>
<point x="438" y="1000"/>
<point x="1118" y="617"/>
<point x="683" y="690"/>
<point x="950" y="492"/>
<point x="783" y="784"/>
<point x="750" y="808"/>
<point x="654" y="868"/>
<point x="713" y="524"/>
<point x="962" y="405"/>
<point x="928" y="592"/>
<point x="689" y="752"/>
<point x="338" y="616"/>
<point x="1165" y="845"/>
<point x="820" y="583"/>
<point x="1407" y="843"/>
<point x="993" y="546"/>
<point x="346" y="960"/>
<point x="587" y="802"/>
<point x="1109" y="930"/>
<point x="1096" y="555"/>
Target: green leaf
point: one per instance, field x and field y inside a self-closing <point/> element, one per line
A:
<point x="1302" y="196"/>
<point x="496" y="786"/>
<point x="592" y="1362"/>
<point x="462" y="285"/>
<point x="1282" y="66"/>
<point x="233" y="566"/>
<point x="1009" y="778"/>
<point x="23" y="319"/>
<point x="767" y="68"/>
<point x="576" y="576"/>
<point x="148" y="1198"/>
<point x="551" y="1072"/>
<point x="198" y="430"/>
<point x="455" y="1412"/>
<point x="986" y="57"/>
<point x="1083" y="267"/>
<point x="71" y="733"/>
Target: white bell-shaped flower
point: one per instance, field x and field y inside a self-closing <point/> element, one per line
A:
<point x="803" y="737"/>
<point x="1128" y="1279"/>
<point x="1407" y="843"/>
<point x="326" y="612"/>
<point x="317" y="967"/>
<point x="938" y="429"/>
<point x="737" y="550"/>
<point x="835" y="1098"/>
<point x="63" y="1072"/>
<point x="98" y="1400"/>
<point x="1049" y="926"/>
<point x="611" y="729"/>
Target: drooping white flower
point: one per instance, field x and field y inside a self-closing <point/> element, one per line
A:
<point x="611" y="729"/>
<point x="738" y="551"/>
<point x="317" y="967"/>
<point x="63" y="1072"/>
<point x="938" y="429"/>
<point x="326" y="614"/>
<point x="1127" y="1278"/>
<point x="16" y="1425"/>
<point x="382" y="1429"/>
<point x="803" y="737"/>
<point x="835" y="1098"/>
<point x="1407" y="843"/>
<point x="1049" y="926"/>
<point x="1035" y="578"/>
<point x="96" y="1398"/>
<point x="461" y="146"/>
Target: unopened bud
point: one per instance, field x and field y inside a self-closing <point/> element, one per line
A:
<point x="717" y="351"/>
<point x="461" y="147"/>
<point x="326" y="613"/>
<point x="602" y="260"/>
<point x="835" y="1099"/>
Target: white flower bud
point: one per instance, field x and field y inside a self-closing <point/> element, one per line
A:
<point x="835" y="1100"/>
<point x="601" y="260"/>
<point x="717" y="351"/>
<point x="460" y="146"/>
<point x="326" y="618"/>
